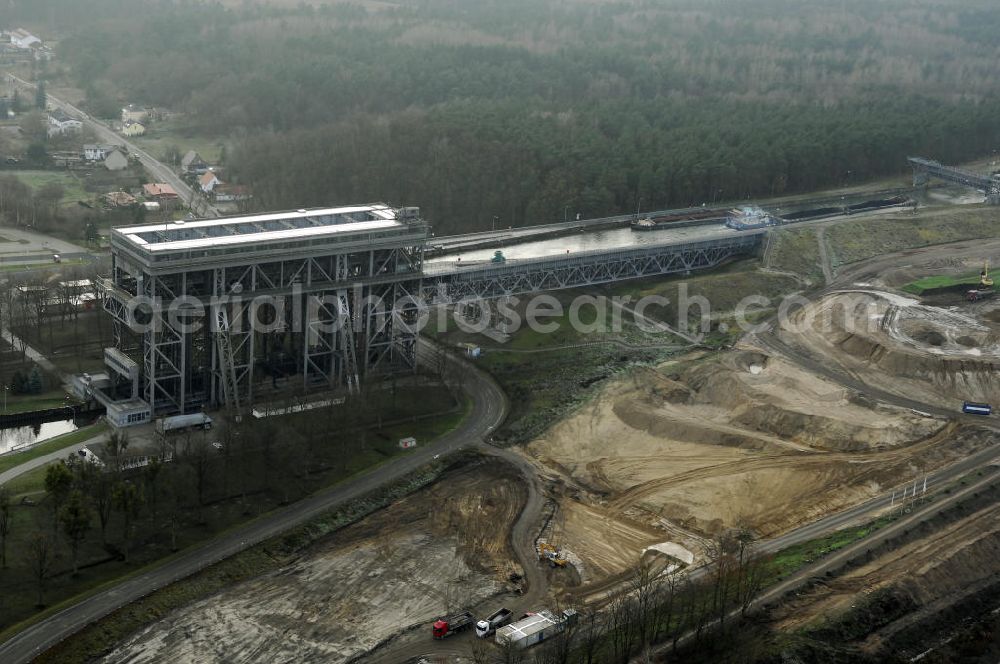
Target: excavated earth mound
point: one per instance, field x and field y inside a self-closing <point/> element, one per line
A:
<point x="927" y="353"/>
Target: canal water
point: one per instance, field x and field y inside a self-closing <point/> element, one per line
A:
<point x="615" y="238"/>
<point x="24" y="436"/>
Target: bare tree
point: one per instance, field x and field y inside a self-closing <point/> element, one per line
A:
<point x="75" y="518"/>
<point x="178" y="485"/>
<point x="196" y="455"/>
<point x="666" y="602"/>
<point x="591" y="635"/>
<point x="643" y="587"/>
<point x="127" y="499"/>
<point x="58" y="483"/>
<point x="557" y="649"/>
<point x="510" y="653"/>
<point x="751" y="568"/>
<point x="4" y="524"/>
<point x="723" y="571"/>
<point x="117" y="446"/>
<point x="41" y="556"/>
<point x="152" y="474"/>
<point x="621" y="616"/>
<point x="481" y="652"/>
<point x="97" y="485"/>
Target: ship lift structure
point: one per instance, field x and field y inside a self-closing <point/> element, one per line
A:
<point x="234" y="311"/>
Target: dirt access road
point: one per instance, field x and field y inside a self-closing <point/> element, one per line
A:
<point x="154" y="167"/>
<point x="489" y="407"/>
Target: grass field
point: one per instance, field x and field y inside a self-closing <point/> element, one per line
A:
<point x="940" y="282"/>
<point x="861" y="239"/>
<point x="174" y="132"/>
<point x="793" y="558"/>
<point x="73" y="190"/>
<point x="23" y="403"/>
<point x="796" y="250"/>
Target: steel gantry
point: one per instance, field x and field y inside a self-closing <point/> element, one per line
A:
<point x="225" y="311"/>
<point x="924" y="169"/>
<point x="235" y="310"/>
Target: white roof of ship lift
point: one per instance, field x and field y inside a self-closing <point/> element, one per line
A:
<point x="387" y="220"/>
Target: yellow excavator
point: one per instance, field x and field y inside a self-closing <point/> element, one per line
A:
<point x="550" y="554"/>
<point x="985" y="288"/>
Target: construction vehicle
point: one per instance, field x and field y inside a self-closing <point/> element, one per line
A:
<point x="492" y="622"/>
<point x="534" y="628"/>
<point x="445" y="627"/>
<point x="551" y="554"/>
<point x="985" y="288"/>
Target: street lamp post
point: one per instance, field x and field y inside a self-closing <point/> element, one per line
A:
<point x="566" y="213"/>
<point x="495" y="220"/>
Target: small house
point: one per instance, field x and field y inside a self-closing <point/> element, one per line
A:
<point x="193" y="163"/>
<point x="96" y="152"/>
<point x="161" y="193"/>
<point x="208" y="181"/>
<point x="60" y="123"/>
<point x="228" y="193"/>
<point x="132" y="128"/>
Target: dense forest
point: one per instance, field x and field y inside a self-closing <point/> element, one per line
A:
<point x="529" y="110"/>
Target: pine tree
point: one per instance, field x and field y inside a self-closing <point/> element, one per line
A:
<point x="41" y="98"/>
<point x="36" y="384"/>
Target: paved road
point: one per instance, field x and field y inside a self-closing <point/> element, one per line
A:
<point x="489" y="407"/>
<point x="155" y="168"/>
<point x="62" y="453"/>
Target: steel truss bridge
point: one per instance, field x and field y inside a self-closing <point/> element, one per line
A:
<point x="924" y="169"/>
<point x="239" y="310"/>
<point x="591" y="268"/>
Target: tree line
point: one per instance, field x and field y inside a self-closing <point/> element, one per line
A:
<point x="532" y="111"/>
<point x="135" y="505"/>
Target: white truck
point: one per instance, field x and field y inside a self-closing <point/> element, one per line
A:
<point x="492" y="622"/>
<point x="166" y="425"/>
<point x="535" y="628"/>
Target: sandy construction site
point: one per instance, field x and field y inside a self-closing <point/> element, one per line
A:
<point x="748" y="437"/>
<point x="443" y="548"/>
<point x="936" y="354"/>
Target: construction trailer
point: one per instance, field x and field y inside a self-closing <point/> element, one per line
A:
<point x="535" y="628"/>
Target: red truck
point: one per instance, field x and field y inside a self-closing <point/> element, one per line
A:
<point x="445" y="627"/>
